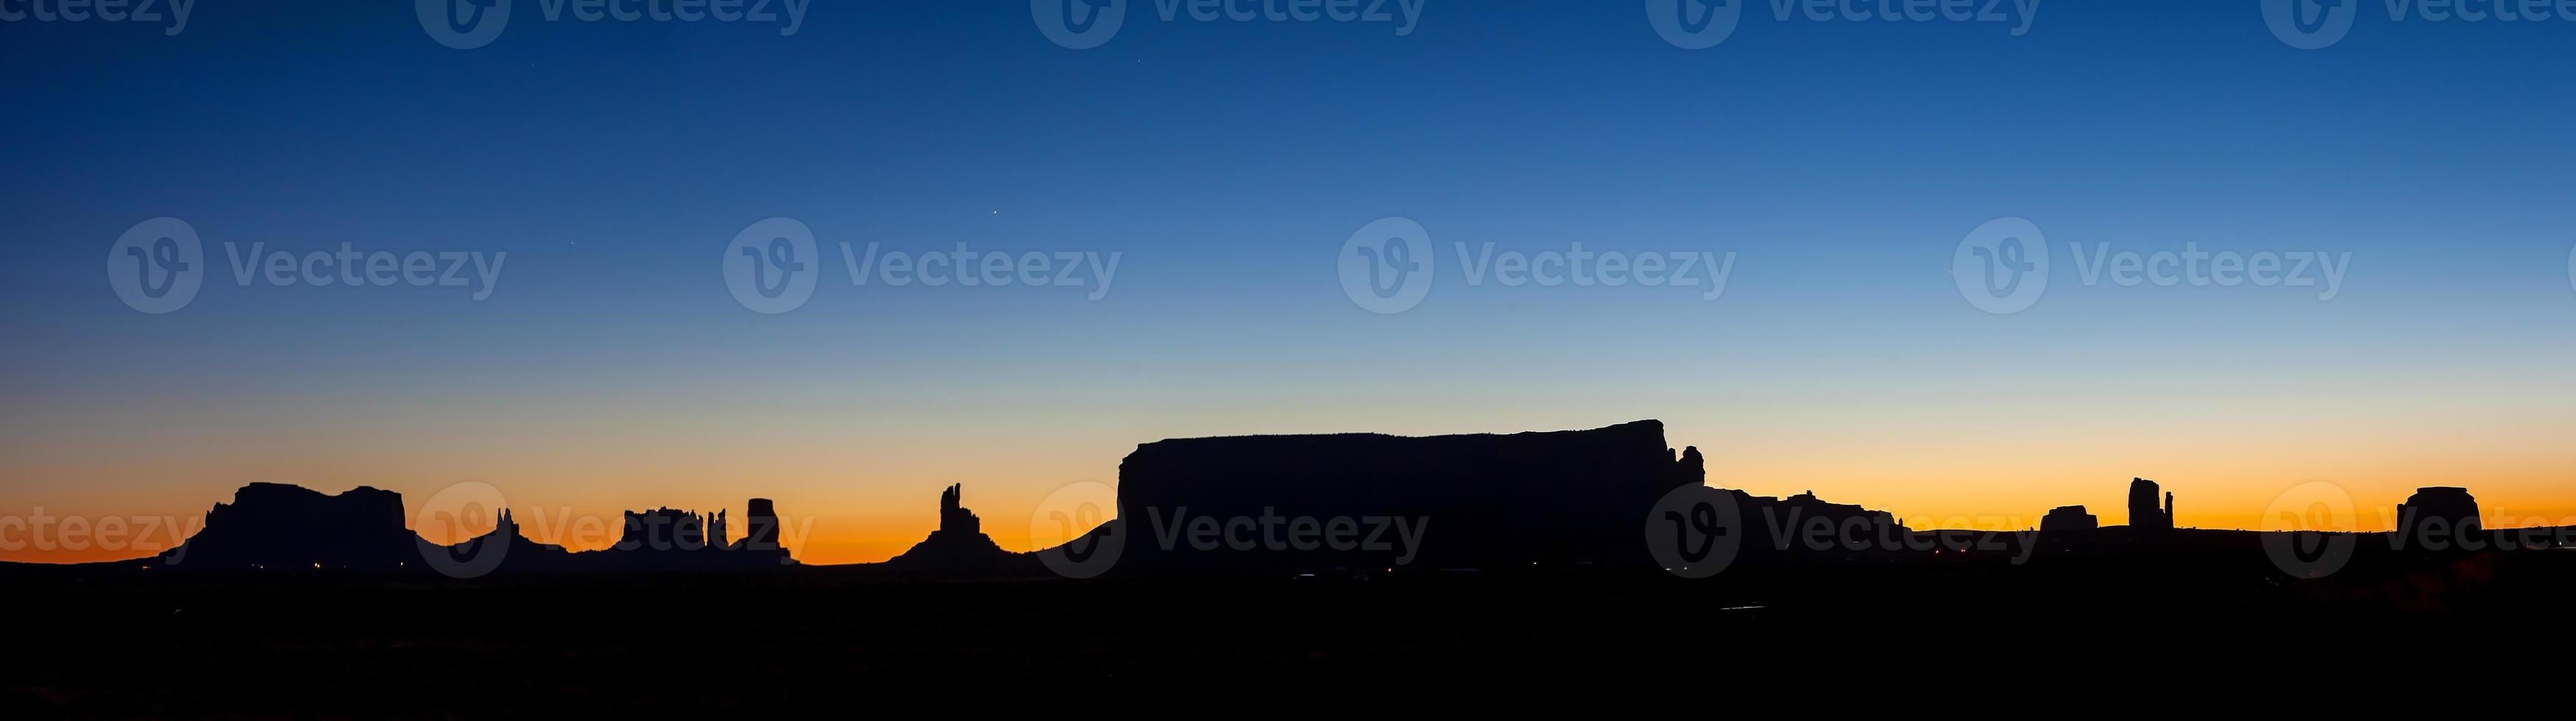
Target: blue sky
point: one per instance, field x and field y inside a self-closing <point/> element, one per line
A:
<point x="1226" y="163"/>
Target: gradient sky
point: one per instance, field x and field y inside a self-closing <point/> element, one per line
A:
<point x="1227" y="163"/>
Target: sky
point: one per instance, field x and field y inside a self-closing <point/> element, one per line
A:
<point x="1838" y="170"/>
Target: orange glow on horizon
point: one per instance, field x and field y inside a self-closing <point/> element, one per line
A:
<point x="868" y="500"/>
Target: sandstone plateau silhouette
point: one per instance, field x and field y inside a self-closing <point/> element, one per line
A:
<point x="1483" y="501"/>
<point x="291" y="602"/>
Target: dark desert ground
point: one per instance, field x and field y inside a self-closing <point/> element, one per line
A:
<point x="302" y="644"/>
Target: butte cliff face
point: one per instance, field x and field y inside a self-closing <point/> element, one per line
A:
<point x="1467" y="500"/>
<point x="2145" y="517"/>
<point x="2437" y="518"/>
<point x="2068" y="518"/>
<point x="278" y="525"/>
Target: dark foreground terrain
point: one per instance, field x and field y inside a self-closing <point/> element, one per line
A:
<point x="307" y="644"/>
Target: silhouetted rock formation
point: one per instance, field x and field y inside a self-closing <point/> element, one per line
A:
<point x="522" y="550"/>
<point x="663" y="529"/>
<point x="2439" y="518"/>
<point x="762" y="536"/>
<point x="505" y="547"/>
<point x="1691" y="469"/>
<point x="2144" y="516"/>
<point x="1801" y="523"/>
<point x="1466" y="500"/>
<point x="958" y="545"/>
<point x="672" y="538"/>
<point x="274" y="525"/>
<point x="278" y="526"/>
<point x="953" y="519"/>
<point x="1804" y="523"/>
<point x="2068" y="518"/>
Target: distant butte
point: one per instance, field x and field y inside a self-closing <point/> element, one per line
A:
<point x="959" y="544"/>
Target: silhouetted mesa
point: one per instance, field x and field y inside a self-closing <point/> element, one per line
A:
<point x="1464" y="500"/>
<point x="2144" y="516"/>
<point x="274" y="525"/>
<point x="2438" y="517"/>
<point x="958" y="545"/>
<point x="2068" y="518"/>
